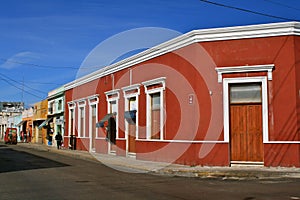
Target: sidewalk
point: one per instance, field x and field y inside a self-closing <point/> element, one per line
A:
<point x="138" y="166"/>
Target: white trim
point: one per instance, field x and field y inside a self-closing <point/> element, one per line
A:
<point x="126" y="97"/>
<point x="62" y="99"/>
<point x="112" y="92"/>
<point x="84" y="137"/>
<point x="71" y="106"/>
<point x="243" y="69"/>
<point x="109" y="100"/>
<point x="129" y="88"/>
<point x="51" y="105"/>
<point x="161" y="80"/>
<point x="182" y="141"/>
<point x="92" y="103"/>
<point x="81" y="104"/>
<point x="120" y="139"/>
<point x="263" y="81"/>
<point x="100" y="138"/>
<point x="94" y="96"/>
<point x="204" y="35"/>
<point x="282" y="142"/>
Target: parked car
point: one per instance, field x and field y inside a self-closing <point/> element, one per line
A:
<point x="11" y="136"/>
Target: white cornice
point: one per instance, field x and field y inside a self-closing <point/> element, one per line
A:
<point x="112" y="92"/>
<point x="247" y="68"/>
<point x="131" y="87"/>
<point x="205" y="35"/>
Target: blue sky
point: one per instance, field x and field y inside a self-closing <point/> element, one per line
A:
<point x="44" y="43"/>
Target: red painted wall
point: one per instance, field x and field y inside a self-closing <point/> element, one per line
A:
<point x="193" y="105"/>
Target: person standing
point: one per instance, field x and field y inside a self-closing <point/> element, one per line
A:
<point x="58" y="139"/>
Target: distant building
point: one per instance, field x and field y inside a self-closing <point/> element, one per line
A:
<point x="56" y="109"/>
<point x="39" y="116"/>
<point x="7" y="110"/>
<point x="26" y="124"/>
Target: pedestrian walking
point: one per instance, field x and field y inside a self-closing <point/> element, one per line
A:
<point x="58" y="139"/>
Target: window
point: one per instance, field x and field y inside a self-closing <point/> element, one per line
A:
<point x="81" y="119"/>
<point x="59" y="106"/>
<point x="93" y="117"/>
<point x="112" y="98"/>
<point x="155" y="104"/>
<point x="155" y="115"/>
<point x="113" y="107"/>
<point x="71" y="118"/>
<point x="245" y="93"/>
<point x="50" y="107"/>
<point x="131" y="94"/>
<point x="72" y="121"/>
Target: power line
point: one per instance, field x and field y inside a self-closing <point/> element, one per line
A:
<point x="43" y="83"/>
<point x="9" y="81"/>
<point x="283" y="5"/>
<point x="46" y="66"/>
<point x="39" y="83"/>
<point x="249" y="11"/>
<point x="35" y="65"/>
<point x="22" y="89"/>
<point x="22" y="84"/>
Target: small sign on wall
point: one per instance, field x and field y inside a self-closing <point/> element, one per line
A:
<point x="191" y="99"/>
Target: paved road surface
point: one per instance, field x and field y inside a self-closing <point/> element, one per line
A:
<point x="31" y="174"/>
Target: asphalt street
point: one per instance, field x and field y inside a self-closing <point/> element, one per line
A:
<point x="32" y="174"/>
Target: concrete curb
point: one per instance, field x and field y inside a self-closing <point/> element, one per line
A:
<point x="139" y="166"/>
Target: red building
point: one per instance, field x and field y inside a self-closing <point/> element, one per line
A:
<point x="219" y="97"/>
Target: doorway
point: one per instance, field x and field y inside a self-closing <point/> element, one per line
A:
<point x="246" y="122"/>
<point x="131" y="125"/>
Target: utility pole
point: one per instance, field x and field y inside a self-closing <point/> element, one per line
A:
<point x="22" y="90"/>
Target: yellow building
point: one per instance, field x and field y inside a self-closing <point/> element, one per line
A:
<point x="40" y="122"/>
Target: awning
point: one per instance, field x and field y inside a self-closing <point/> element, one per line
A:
<point x="21" y="123"/>
<point x="130" y="116"/>
<point x="104" y="119"/>
<point x="45" y="123"/>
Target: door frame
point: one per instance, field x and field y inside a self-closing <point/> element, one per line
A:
<point x="93" y="101"/>
<point x="113" y="95"/>
<point x="131" y="154"/>
<point x="226" y="104"/>
<point x="129" y="92"/>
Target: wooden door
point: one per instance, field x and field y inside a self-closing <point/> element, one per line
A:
<point x="131" y="124"/>
<point x="246" y="141"/>
<point x="131" y="137"/>
<point x="93" y="137"/>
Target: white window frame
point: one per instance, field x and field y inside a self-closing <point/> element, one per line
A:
<point x="81" y="105"/>
<point x="115" y="97"/>
<point x="93" y="101"/>
<point x="62" y="104"/>
<point x="160" y="90"/>
<point x="71" y="106"/>
<point x="51" y="105"/>
<point x="127" y="96"/>
<point x="264" y="87"/>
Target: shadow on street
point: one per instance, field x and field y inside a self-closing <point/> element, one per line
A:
<point x="12" y="160"/>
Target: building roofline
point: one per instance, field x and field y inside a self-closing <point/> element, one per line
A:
<point x="195" y="36"/>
